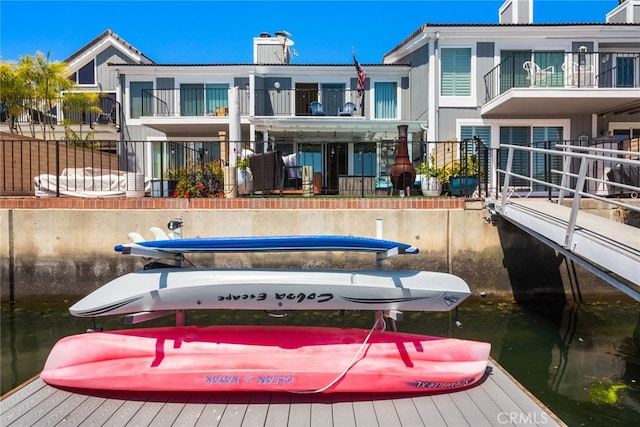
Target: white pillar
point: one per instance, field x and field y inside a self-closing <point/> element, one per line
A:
<point x="235" y="137"/>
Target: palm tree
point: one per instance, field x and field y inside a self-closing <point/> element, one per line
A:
<point x="75" y="105"/>
<point x="46" y="79"/>
<point x="14" y="91"/>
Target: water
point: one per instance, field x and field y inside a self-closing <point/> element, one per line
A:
<point x="582" y="361"/>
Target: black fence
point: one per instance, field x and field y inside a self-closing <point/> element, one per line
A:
<point x="196" y="168"/>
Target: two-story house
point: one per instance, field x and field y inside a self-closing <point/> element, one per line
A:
<point x="315" y="111"/>
<point x="519" y="82"/>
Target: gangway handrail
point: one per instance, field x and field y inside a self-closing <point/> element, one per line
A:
<point x="576" y="161"/>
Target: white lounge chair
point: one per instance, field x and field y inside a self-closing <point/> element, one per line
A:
<point x="536" y="75"/>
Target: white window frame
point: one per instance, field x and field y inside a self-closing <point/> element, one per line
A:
<point x="372" y="96"/>
<point x="458" y="101"/>
<point x="95" y="74"/>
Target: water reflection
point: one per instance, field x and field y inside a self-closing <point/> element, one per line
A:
<point x="582" y="361"/>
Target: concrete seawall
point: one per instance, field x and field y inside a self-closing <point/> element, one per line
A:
<point x="56" y="253"/>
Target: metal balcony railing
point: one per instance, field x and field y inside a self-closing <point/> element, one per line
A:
<point x="214" y="102"/>
<point x="547" y="69"/>
<point x="50" y="112"/>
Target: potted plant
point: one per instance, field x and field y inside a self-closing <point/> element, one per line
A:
<point x="432" y="178"/>
<point x="463" y="176"/>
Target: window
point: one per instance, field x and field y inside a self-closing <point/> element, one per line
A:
<point x="332" y="97"/>
<point x="140" y="99"/>
<point x="85" y="75"/>
<point x="386" y="100"/>
<point x="512" y="74"/>
<point x="541" y="164"/>
<point x="624" y="71"/>
<point x="551" y="61"/>
<point x="310" y="155"/>
<point x="544" y="68"/>
<point x="365" y="159"/>
<point x="515" y="136"/>
<point x="455" y="72"/>
<point x="483" y="132"/>
<point x="217" y="98"/>
<point x="192" y="99"/>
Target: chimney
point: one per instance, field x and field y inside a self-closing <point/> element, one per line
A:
<point x="627" y="12"/>
<point x="516" y="12"/>
<point x="268" y="49"/>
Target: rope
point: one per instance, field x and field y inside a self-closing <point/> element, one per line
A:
<point x="351" y="363"/>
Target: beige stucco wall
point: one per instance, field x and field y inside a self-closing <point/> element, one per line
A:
<point x="49" y="253"/>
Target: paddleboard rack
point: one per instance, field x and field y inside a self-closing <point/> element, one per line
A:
<point x="173" y="247"/>
<point x="144" y="316"/>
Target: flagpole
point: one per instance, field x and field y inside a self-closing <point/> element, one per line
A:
<point x="361" y="82"/>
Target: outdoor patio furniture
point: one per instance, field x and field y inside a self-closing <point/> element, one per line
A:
<point x="267" y="169"/>
<point x="536" y="75"/>
<point x="348" y="109"/>
<point x="316" y="109"/>
<point x="578" y="75"/>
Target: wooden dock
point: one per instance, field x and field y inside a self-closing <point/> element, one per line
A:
<point x="498" y="400"/>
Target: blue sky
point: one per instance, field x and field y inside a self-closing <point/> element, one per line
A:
<point x="222" y="31"/>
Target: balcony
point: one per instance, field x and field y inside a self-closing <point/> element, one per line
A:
<point x="551" y="83"/>
<point x="214" y="103"/>
<point x="189" y="111"/>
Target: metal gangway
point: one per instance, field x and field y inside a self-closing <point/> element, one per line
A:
<point x="558" y="215"/>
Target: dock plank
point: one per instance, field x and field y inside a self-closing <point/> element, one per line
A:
<point x="278" y="414"/>
<point x="81" y="412"/>
<point x="342" y="409"/>
<point x="21" y="393"/>
<point x="321" y="413"/>
<point x="449" y="411"/>
<point x="161" y="409"/>
<point x="300" y="412"/>
<point x="60" y="412"/>
<point x="428" y="411"/>
<point x="235" y="410"/>
<point x="256" y="414"/>
<point x="125" y="412"/>
<point x="468" y="407"/>
<point x="192" y="410"/>
<point x="488" y="407"/>
<point x="385" y="411"/>
<point x="407" y="412"/>
<point x="363" y="410"/>
<point x="18" y="414"/>
<point x="41" y="412"/>
<point x="490" y="403"/>
<point x="106" y="410"/>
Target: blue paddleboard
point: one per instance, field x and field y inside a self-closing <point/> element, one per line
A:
<point x="266" y="244"/>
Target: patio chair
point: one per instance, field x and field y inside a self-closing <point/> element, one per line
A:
<point x="316" y="109"/>
<point x="578" y="75"/>
<point x="536" y="75"/>
<point x="347" y="109"/>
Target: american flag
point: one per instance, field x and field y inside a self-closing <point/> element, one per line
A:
<point x="362" y="76"/>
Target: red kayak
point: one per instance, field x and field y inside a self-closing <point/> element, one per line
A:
<point x="264" y="358"/>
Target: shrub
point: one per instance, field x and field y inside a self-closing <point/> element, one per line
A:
<point x="198" y="180"/>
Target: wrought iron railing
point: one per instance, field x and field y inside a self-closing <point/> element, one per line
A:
<point x="214" y="102"/>
<point x="544" y="69"/>
<point x="347" y="168"/>
<point x="30" y="115"/>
